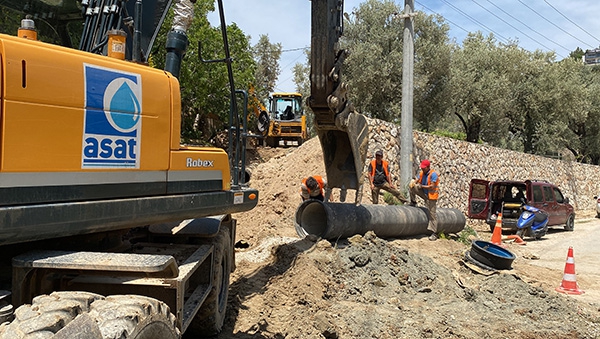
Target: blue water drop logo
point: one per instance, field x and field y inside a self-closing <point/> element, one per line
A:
<point x="121" y="104"/>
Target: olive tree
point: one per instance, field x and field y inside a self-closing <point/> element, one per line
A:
<point x="205" y="93"/>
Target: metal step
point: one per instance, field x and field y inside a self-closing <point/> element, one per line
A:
<point x="160" y="265"/>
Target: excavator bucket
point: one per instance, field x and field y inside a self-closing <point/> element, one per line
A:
<point x="343" y="132"/>
<point x="344" y="153"/>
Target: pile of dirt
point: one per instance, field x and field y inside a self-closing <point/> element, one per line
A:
<point x="367" y="287"/>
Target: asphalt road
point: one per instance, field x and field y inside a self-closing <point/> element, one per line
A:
<point x="552" y="250"/>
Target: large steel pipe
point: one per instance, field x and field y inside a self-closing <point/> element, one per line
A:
<point x="338" y="220"/>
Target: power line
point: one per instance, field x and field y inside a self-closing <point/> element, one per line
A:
<point x="555" y="25"/>
<point x="295" y="49"/>
<point x="571" y="21"/>
<point x="506" y="22"/>
<point x="524" y="24"/>
<point x="445" y="19"/>
<point x="475" y="21"/>
<point x="290" y="63"/>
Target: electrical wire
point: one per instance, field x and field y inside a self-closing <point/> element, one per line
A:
<point x="445" y="19"/>
<point x="295" y="49"/>
<point x="571" y="21"/>
<point x="528" y="27"/>
<point x="555" y="25"/>
<point x="476" y="21"/>
<point x="506" y="22"/>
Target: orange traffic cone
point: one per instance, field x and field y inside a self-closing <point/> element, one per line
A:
<point x="517" y="239"/>
<point x="569" y="282"/>
<point x="497" y="234"/>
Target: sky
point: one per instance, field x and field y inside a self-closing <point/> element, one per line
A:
<point x="548" y="25"/>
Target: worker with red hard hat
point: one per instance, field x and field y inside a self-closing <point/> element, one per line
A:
<point x="427" y="187"/>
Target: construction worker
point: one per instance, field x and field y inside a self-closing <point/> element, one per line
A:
<point x="313" y="187"/>
<point x="427" y="187"/>
<point x="379" y="176"/>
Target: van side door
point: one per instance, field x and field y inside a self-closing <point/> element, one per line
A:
<point x="550" y="206"/>
<point x="479" y="193"/>
<point x="562" y="208"/>
<point x="537" y="196"/>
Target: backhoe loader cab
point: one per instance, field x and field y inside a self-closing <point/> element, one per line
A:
<point x="286" y="106"/>
<point x="287" y="125"/>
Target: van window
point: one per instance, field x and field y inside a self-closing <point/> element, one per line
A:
<point x="548" y="195"/>
<point x="478" y="191"/>
<point x="537" y="194"/>
<point x="559" y="197"/>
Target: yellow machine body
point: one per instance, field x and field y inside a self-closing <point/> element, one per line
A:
<point x="287" y="122"/>
<point x="81" y="127"/>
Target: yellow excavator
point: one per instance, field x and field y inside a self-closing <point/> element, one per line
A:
<point x="109" y="227"/>
<point x="283" y="123"/>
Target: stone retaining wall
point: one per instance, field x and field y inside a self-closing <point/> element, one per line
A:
<point x="457" y="162"/>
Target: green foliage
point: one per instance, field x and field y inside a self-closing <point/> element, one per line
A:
<point x="266" y="55"/>
<point x="479" y="91"/>
<point x="466" y="235"/>
<point x="375" y="37"/>
<point x="10" y="21"/>
<point x="577" y="54"/>
<point x="373" y="70"/>
<point x="389" y="199"/>
<point x="479" y="87"/>
<point x="302" y="81"/>
<point x="450" y="134"/>
<point x="205" y="93"/>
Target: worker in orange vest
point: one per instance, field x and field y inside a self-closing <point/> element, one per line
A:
<point x="313" y="187"/>
<point x="379" y="177"/>
<point x="427" y="187"/>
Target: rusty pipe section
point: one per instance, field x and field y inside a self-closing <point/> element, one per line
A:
<point x="339" y="220"/>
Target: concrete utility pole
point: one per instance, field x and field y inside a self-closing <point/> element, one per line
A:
<point x="406" y="129"/>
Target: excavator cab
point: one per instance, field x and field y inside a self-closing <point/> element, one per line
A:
<point x="83" y="24"/>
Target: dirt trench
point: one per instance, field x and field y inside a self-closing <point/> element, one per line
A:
<point x="367" y="287"/>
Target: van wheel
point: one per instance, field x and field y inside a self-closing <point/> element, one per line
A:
<point x="209" y="320"/>
<point x="570" y="225"/>
<point x="70" y="313"/>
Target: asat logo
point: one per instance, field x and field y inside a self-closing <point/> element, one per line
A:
<point x="112" y="122"/>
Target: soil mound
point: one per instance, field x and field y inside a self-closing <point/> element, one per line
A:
<point x="367" y="287"/>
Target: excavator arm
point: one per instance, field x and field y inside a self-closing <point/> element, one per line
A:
<point x="342" y="131"/>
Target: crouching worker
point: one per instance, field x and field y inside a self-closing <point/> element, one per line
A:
<point x="313" y="187"/>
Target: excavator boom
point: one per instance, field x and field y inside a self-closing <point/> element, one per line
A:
<point x="342" y="131"/>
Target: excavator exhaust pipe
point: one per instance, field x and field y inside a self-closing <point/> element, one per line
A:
<point x="337" y="220"/>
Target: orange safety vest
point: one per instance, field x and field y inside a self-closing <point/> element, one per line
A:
<point x="319" y="180"/>
<point x="432" y="193"/>
<point x="384" y="164"/>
